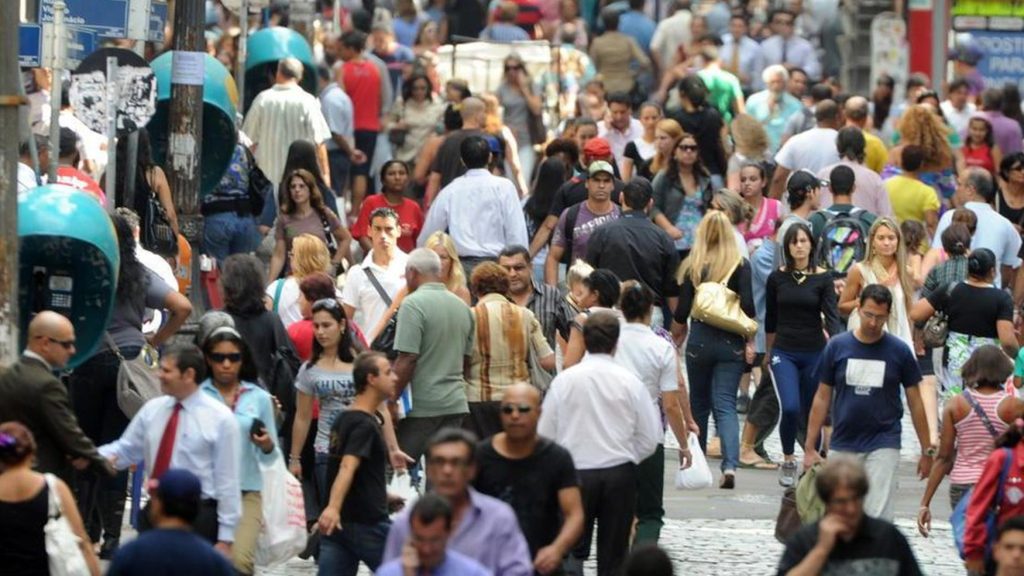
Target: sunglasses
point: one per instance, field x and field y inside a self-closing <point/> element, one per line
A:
<point x="325" y="304"/>
<point x="233" y="357"/>
<point x="66" y="344"/>
<point x="508" y="409"/>
<point x="688" y="147"/>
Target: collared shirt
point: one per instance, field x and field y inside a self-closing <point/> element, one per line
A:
<point x="252" y="403"/>
<point x="993" y="232"/>
<point x="337" y="110"/>
<point x="30" y="354"/>
<point x="636" y="249"/>
<point x="506" y="335"/>
<point x="551" y="310"/>
<point x="619" y="138"/>
<point x="650" y="357"/>
<point x="773" y="116"/>
<point x="669" y="35"/>
<point x="362" y="295"/>
<point x="751" y="60"/>
<point x="868" y="193"/>
<point x="601" y="413"/>
<point x="798" y="52"/>
<point x="207" y="444"/>
<point x="488" y="533"/>
<point x="454" y="564"/>
<point x="482" y="213"/>
<point x="958" y="119"/>
<point x="279" y="116"/>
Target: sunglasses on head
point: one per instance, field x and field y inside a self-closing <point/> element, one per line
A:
<point x="233" y="357"/>
<point x="325" y="304"/>
<point x="508" y="409"/>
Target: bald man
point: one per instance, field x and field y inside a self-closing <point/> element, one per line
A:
<point x="535" y="476"/>
<point x="32" y="395"/>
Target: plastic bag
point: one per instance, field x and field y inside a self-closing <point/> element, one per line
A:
<point x="283" y="534"/>
<point x="401" y="486"/>
<point x="698" y="475"/>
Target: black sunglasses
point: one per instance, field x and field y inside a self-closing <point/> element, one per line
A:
<point x="233" y="357"/>
<point x="521" y="408"/>
<point x="688" y="147"/>
<point x="66" y="344"/>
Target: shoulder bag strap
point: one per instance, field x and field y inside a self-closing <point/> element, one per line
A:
<point x="277" y="292"/>
<point x="725" y="281"/>
<point x="376" y="285"/>
<point x="53" y="498"/>
<point x="113" y="345"/>
<point x="980" y="412"/>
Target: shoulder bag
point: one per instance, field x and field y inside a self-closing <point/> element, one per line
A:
<point x="717" y="305"/>
<point x="936" y="329"/>
<point x="385" y="341"/>
<point x="137" y="381"/>
<point x="330" y="240"/>
<point x="62" y="544"/>
<point x="156" y="232"/>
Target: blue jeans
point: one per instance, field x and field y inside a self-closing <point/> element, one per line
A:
<point x="323" y="483"/>
<point x="228" y="233"/>
<point x="342" y="551"/>
<point x="714" y="364"/>
<point x="795" y="375"/>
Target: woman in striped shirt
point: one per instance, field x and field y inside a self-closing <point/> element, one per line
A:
<point x="970" y="424"/>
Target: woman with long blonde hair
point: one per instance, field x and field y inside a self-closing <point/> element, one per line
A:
<point x="308" y="255"/>
<point x="884" y="263"/>
<point x="666" y="135"/>
<point x="715" y="358"/>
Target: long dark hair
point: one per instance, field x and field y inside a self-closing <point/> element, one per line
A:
<point x="248" y="371"/>
<point x="302" y="154"/>
<point x="316" y="199"/>
<point x="243" y="282"/>
<point x="789" y="265"/>
<point x="673" y="165"/>
<point x="551" y="174"/>
<point x="407" y="86"/>
<point x="131" y="276"/>
<point x="143" y="164"/>
<point x="344" y="352"/>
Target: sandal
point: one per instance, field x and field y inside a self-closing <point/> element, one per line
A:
<point x="759" y="464"/>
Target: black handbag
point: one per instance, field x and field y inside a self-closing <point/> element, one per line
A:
<point x="385" y="341"/>
<point x="156" y="234"/>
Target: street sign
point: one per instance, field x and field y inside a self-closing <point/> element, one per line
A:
<point x="35" y="45"/>
<point x="28" y="45"/>
<point x="106" y="18"/>
<point x="1004" y="57"/>
<point x="146" y="20"/>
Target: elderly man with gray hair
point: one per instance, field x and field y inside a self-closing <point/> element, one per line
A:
<point x="281" y="115"/>
<point x="434" y="341"/>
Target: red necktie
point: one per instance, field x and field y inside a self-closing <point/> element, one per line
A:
<point x="163" y="454"/>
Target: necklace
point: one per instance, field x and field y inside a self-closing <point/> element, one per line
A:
<point x="800" y="276"/>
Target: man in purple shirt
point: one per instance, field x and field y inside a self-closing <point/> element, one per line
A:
<point x="427" y="550"/>
<point x="1005" y="131"/>
<point x="484" y="528"/>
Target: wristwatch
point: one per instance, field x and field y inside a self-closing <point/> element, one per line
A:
<point x="931" y="451"/>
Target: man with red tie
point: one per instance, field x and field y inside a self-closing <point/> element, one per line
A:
<point x="190" y="430"/>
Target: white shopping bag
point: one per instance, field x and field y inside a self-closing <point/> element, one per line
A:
<point x="698" y="475"/>
<point x="401" y="486"/>
<point x="283" y="534"/>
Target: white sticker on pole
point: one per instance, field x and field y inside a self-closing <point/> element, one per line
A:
<point x="188" y="68"/>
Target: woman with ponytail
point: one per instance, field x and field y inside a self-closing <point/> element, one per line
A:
<point x="24" y="508"/>
<point x="987" y="495"/>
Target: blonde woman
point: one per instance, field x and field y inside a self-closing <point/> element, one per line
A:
<point x="640" y="151"/>
<point x="309" y="255"/>
<point x="739" y="213"/>
<point x="451" y="272"/>
<point x="885" y="263"/>
<point x="715" y="358"/>
<point x="751" y="145"/>
<point x="666" y="134"/>
<point x="495" y="126"/>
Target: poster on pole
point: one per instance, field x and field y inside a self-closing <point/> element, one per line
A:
<point x="890" y="53"/>
<point x="136" y="91"/>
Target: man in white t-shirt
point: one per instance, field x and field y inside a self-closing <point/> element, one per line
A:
<point x="811" y="150"/>
<point x="955" y="107"/>
<point x="362" y="298"/>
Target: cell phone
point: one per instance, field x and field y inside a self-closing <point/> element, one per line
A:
<point x="258" y="428"/>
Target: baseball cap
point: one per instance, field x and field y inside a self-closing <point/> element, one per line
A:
<point x="177" y="485"/>
<point x="597" y="147"/>
<point x="803" y="179"/>
<point x="494" y="144"/>
<point x="598" y="166"/>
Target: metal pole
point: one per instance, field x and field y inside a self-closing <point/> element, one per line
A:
<point x="55" y="86"/>
<point x="185" y="144"/>
<point x="112" y="97"/>
<point x="243" y="54"/>
<point x="10" y="100"/>
<point x="940" y="40"/>
<point x="337" y="16"/>
<point x="25" y="127"/>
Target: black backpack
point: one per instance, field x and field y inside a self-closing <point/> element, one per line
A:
<point x="843" y="240"/>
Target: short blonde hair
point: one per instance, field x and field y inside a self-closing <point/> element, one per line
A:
<point x="578" y="272"/>
<point x="309" y="256"/>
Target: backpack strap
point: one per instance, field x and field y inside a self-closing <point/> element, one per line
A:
<point x="569" y="230"/>
<point x="980" y="412"/>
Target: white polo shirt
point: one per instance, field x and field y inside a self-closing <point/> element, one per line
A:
<point x="360" y="293"/>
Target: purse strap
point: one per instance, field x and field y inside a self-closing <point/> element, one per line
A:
<point x="980" y="412"/>
<point x="376" y="285"/>
<point x="1007" y="461"/>
<point x="54" y="509"/>
<point x="725" y="281"/>
<point x="113" y="345"/>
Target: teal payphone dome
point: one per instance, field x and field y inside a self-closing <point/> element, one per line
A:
<point x="220" y="104"/>
<point x="68" y="262"/>
<point x="265" y="49"/>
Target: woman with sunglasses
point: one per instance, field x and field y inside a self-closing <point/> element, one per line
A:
<point x="521" y="105"/>
<point x="414" y="118"/>
<point x="682" y="193"/>
<point x="232" y="380"/>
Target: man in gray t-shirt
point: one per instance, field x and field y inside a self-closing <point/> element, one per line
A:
<point x="578" y="222"/>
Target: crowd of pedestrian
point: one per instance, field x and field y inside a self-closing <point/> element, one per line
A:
<point x="510" y="313"/>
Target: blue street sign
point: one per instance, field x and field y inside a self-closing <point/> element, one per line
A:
<point x="106" y="18"/>
<point x="28" y="45"/>
<point x="79" y="43"/>
<point x="1003" y="62"/>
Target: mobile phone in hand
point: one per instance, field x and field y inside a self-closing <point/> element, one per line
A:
<point x="258" y="428"/>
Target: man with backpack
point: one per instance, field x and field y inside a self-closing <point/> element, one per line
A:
<point x="841" y="230"/>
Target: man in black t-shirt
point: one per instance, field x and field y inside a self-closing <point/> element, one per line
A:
<point x="447" y="164"/>
<point x="536" y="477"/>
<point x="355" y="521"/>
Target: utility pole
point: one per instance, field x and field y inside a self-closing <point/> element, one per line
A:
<point x="10" y="100"/>
<point x="185" y="141"/>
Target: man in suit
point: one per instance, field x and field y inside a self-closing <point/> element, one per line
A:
<point x="31" y="394"/>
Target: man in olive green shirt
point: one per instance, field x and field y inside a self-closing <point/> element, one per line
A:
<point x="434" y="341"/>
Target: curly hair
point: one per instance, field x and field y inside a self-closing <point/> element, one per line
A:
<point x="489" y="278"/>
<point x="920" y="126"/>
<point x="315" y="199"/>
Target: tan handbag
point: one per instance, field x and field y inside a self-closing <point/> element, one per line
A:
<point x="716" y="305"/>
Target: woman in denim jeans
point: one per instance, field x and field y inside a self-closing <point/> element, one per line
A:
<point x="715" y="358"/>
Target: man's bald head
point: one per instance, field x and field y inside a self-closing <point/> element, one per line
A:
<point x="52" y="336"/>
<point x="522" y="393"/>
<point x="856" y="110"/>
<point x="472" y="111"/>
<point x="520" y="413"/>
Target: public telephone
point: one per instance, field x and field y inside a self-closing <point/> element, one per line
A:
<point x="51" y="290"/>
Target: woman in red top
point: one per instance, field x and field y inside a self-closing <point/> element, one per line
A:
<point x="980" y="149"/>
<point x="394" y="179"/>
<point x="984" y="497"/>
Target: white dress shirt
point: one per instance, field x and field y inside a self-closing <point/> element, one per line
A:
<point x="751" y="60"/>
<point x="958" y="119"/>
<point x="207" y="444"/>
<point x="994" y="232"/>
<point x="650" y="357"/>
<point x="481" y="212"/>
<point x="360" y="293"/>
<point x="619" y="138"/>
<point x="799" y="52"/>
<point x="601" y="413"/>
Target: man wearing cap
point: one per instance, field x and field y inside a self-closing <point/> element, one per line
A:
<point x="189" y="429"/>
<point x="171" y="547"/>
<point x="578" y="222"/>
<point x="802" y="191"/>
<point x="481" y="211"/>
<point x="812" y="150"/>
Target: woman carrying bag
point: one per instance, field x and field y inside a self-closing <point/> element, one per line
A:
<point x="720" y="339"/>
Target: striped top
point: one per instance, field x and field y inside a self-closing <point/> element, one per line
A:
<point x="506" y="334"/>
<point x="973" y="441"/>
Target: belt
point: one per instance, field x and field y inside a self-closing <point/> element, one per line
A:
<point x="240" y="206"/>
